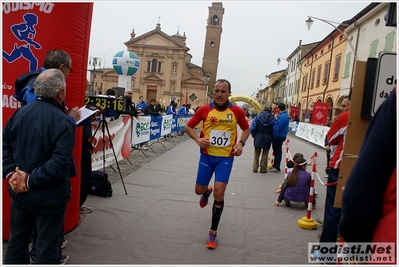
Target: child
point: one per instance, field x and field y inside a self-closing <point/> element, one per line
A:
<point x="297" y="185"/>
<point x="290" y="166"/>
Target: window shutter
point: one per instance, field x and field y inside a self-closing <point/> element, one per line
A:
<point x="373" y="48"/>
<point x="389" y="41"/>
<point x="347" y="64"/>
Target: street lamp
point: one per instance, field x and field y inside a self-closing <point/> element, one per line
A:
<point x="94" y="61"/>
<point x="310" y="21"/>
<point x="279" y="60"/>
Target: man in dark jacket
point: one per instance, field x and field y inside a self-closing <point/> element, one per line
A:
<point x="150" y="108"/>
<point x="264" y="133"/>
<point x="38" y="141"/>
<point x="128" y="106"/>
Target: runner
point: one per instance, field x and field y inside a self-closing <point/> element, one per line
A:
<point x="219" y="143"/>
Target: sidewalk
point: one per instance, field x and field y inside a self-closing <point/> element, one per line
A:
<point x="160" y="221"/>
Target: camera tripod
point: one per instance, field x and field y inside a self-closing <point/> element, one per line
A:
<point x="104" y="126"/>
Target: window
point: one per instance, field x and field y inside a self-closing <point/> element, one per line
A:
<point x="318" y="76"/>
<point x="389" y="39"/>
<point x="215" y="20"/>
<point x="347" y="64"/>
<point x="337" y="66"/>
<point x="373" y="48"/>
<point x="326" y="70"/>
<point x="212" y="44"/>
<point x="312" y="78"/>
<point x="305" y="82"/>
<point x="154" y="66"/>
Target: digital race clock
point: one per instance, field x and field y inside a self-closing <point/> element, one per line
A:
<point x="106" y="103"/>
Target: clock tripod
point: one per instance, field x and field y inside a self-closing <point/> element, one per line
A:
<point x="104" y="126"/>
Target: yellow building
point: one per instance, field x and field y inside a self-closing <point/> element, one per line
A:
<point x="322" y="69"/>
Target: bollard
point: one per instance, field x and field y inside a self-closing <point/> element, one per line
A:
<point x="271" y="161"/>
<point x="286" y="159"/>
<point x="307" y="222"/>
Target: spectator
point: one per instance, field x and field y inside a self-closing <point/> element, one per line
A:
<point x="172" y="109"/>
<point x="282" y="128"/>
<point x="128" y="106"/>
<point x="54" y="59"/>
<point x="296" y="187"/>
<point x="369" y="199"/>
<point x="182" y="110"/>
<point x="38" y="165"/>
<point x="262" y="132"/>
<point x="158" y="107"/>
<point x="336" y="138"/>
<point x="150" y="109"/>
<point x="141" y="104"/>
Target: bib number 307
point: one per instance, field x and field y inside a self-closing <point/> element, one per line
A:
<point x="220" y="138"/>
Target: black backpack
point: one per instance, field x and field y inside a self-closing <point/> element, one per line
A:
<point x="99" y="185"/>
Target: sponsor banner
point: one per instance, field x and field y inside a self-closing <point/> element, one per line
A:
<point x="352" y="253"/>
<point x="182" y="121"/>
<point x="117" y="136"/>
<point x="315" y="134"/>
<point x="141" y="129"/>
<point x="294" y="112"/>
<point x="167" y="124"/>
<point x="128" y="131"/>
<point x="320" y="113"/>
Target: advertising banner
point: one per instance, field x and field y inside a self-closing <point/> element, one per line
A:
<point x="29" y="30"/>
<point x="294" y="112"/>
<point x="118" y="138"/>
<point x="320" y="113"/>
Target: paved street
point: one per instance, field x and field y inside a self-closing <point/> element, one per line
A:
<point x="160" y="221"/>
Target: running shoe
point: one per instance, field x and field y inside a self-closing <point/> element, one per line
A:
<point x="212" y="240"/>
<point x="203" y="200"/>
<point x="320" y="222"/>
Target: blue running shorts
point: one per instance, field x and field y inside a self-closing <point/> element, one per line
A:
<point x="208" y="165"/>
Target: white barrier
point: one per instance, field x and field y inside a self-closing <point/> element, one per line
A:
<point x="315" y="134"/>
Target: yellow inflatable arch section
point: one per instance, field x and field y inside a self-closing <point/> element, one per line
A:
<point x="252" y="101"/>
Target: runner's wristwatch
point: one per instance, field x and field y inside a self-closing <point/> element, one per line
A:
<point x="242" y="142"/>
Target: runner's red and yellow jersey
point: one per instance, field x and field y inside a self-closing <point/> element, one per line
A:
<point x="220" y="127"/>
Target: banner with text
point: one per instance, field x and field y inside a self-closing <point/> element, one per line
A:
<point x="320" y="113"/>
<point x="128" y="131"/>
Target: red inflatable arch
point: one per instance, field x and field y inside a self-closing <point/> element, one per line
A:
<point x="30" y="29"/>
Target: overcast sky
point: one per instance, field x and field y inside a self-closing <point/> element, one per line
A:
<point x="255" y="33"/>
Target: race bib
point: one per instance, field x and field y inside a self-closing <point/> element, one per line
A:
<point x="220" y="138"/>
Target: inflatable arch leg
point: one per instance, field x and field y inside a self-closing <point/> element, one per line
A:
<point x="252" y="101"/>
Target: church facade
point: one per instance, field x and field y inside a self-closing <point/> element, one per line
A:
<point x="166" y="72"/>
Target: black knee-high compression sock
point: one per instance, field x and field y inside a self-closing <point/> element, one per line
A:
<point x="207" y="193"/>
<point x="217" y="210"/>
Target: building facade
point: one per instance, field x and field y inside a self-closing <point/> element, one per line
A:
<point x="166" y="72"/>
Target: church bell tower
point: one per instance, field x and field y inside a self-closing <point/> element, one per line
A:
<point x="210" y="58"/>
